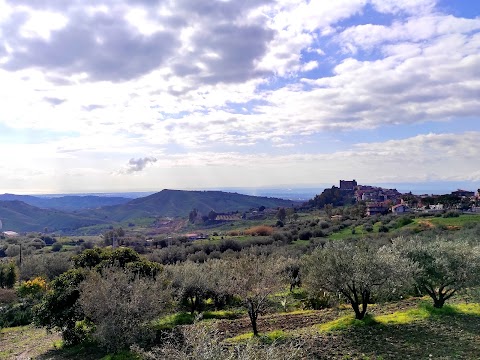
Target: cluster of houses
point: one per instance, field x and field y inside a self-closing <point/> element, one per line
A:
<point x="382" y="201"/>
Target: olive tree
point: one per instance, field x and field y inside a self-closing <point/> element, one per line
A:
<point x="121" y="304"/>
<point x="254" y="279"/>
<point x="189" y="284"/>
<point x="358" y="273"/>
<point x="445" y="267"/>
<point x="218" y="281"/>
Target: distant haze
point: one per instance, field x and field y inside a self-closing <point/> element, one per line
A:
<point x="298" y="193"/>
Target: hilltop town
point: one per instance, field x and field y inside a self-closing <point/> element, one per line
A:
<point x="379" y="200"/>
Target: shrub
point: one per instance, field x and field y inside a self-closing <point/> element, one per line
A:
<point x="305" y="235"/>
<point x="8" y="275"/>
<point x="7" y="296"/>
<point x="57" y="247"/>
<point x="318" y="233"/>
<point x="383" y="229"/>
<point x="261" y="230"/>
<point x="279" y="237"/>
<point x="202" y="343"/>
<point x="121" y="308"/>
<point x="404" y="221"/>
<point x="45" y="265"/>
<point x="368" y="227"/>
<point x="318" y="301"/>
<point x="32" y="288"/>
<point x="16" y="315"/>
<point x="324" y="225"/>
<point x="230" y="244"/>
<point x="451" y="214"/>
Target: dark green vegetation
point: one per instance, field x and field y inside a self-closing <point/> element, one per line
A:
<point x="279" y="283"/>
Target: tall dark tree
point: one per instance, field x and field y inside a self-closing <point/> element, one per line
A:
<point x="281" y="214"/>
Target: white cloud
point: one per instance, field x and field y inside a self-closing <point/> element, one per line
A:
<point x="413" y="7"/>
<point x="414" y="29"/>
<point x="112" y="80"/>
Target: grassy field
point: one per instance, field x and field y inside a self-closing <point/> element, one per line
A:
<point x="418" y="224"/>
<point x="460" y="221"/>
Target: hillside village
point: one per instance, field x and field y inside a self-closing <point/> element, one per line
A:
<point x="380" y="200"/>
<point x="207" y="209"/>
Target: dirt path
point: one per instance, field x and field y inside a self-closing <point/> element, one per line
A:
<point x="25" y="342"/>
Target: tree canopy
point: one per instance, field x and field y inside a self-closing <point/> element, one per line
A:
<point x="358" y="273"/>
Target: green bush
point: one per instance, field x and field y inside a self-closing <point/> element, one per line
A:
<point x="451" y="214"/>
<point x="19" y="314"/>
<point x="305" y="235"/>
<point x="404" y="221"/>
<point x="8" y="275"/>
<point x="57" y="247"/>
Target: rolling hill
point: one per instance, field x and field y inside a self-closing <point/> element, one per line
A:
<point x="21" y="217"/>
<point x="66" y="203"/>
<point x="175" y="203"/>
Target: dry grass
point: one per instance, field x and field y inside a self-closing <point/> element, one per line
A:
<point x="261" y="230"/>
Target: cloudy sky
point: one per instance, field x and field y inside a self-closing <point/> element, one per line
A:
<point x="141" y="95"/>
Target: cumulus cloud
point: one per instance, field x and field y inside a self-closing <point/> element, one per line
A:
<point x="209" y="42"/>
<point x="101" y="45"/>
<point x="218" y="77"/>
<point x="137" y="165"/>
<point x="429" y="157"/>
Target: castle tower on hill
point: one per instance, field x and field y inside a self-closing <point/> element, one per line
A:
<point x="348" y="185"/>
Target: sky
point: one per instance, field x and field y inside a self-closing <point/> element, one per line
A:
<point x="142" y="95"/>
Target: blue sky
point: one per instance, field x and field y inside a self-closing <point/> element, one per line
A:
<point x="137" y="95"/>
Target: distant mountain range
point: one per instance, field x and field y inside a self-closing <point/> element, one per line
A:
<point x="66" y="203"/>
<point x="21" y="216"/>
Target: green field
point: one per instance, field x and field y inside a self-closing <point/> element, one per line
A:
<point x="418" y="224"/>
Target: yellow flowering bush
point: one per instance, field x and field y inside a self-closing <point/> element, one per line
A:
<point x="32" y="288"/>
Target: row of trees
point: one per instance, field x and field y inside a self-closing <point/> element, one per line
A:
<point x="116" y="294"/>
<point x="362" y="274"/>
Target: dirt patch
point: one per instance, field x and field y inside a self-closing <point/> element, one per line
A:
<point x="453" y="227"/>
<point x="266" y="323"/>
<point x="426" y="224"/>
<point x="26" y="342"/>
<point x="286" y="321"/>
